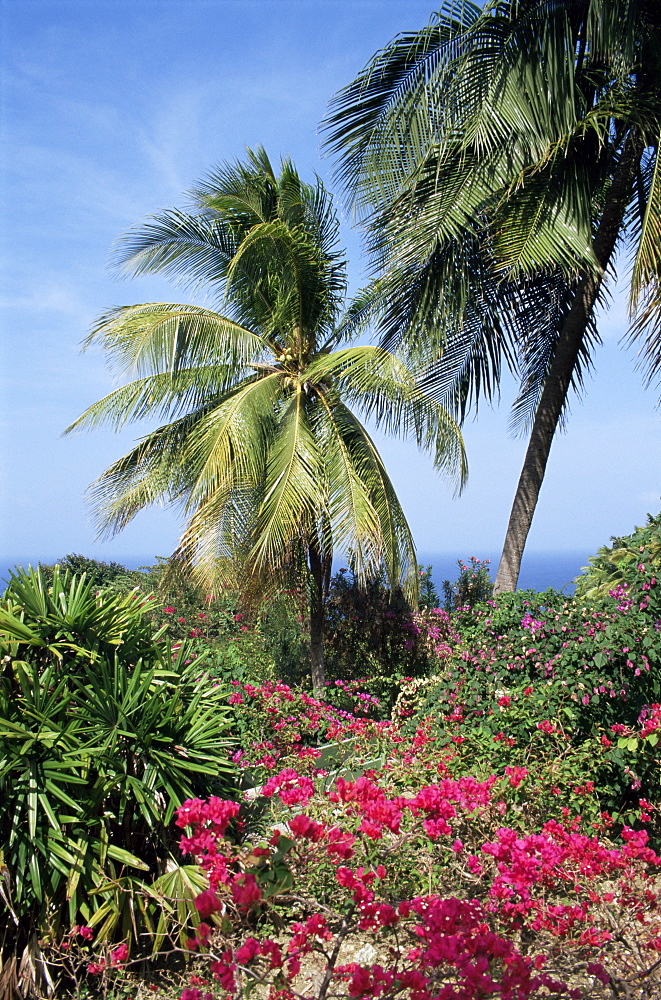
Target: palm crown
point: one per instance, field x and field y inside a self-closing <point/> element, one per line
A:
<point x="262" y="447"/>
<point x="503" y="155"/>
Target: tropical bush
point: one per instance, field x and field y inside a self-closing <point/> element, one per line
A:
<point x="283" y="626"/>
<point x="104" y="730"/>
<point x="631" y="563"/>
<point x="596" y="662"/>
<point x="473" y="585"/>
<point x="542" y="660"/>
<point x="494" y="837"/>
<point x="231" y="641"/>
<point x="107" y="575"/>
<point x="372" y="643"/>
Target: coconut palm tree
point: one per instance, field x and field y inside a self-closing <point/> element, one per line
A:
<point x="262" y="448"/>
<point x="502" y="157"/>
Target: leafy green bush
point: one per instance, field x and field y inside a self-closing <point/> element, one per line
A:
<point x="472" y="586"/>
<point x="64" y="615"/>
<point x="104" y="731"/>
<point x="231" y="642"/>
<point x="283" y="623"/>
<point x="532" y="662"/>
<point x="370" y="638"/>
<point x="108" y="575"/>
<point x="369" y="634"/>
<point x="630" y="563"/>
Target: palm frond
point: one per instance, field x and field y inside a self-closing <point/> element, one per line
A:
<point x="228" y="447"/>
<point x="165" y="337"/>
<point x="396" y="550"/>
<point x="540" y="322"/>
<point x="215" y="545"/>
<point x="151" y="473"/>
<point x="293" y="485"/>
<point x="386" y="391"/>
<point x="354" y="525"/>
<point x="387" y="104"/>
<point x="646" y="275"/>
<point x="163" y="395"/>
<point x="193" y="249"/>
<point x="355" y="504"/>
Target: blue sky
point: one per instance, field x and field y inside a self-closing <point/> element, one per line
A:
<point x="111" y="111"/>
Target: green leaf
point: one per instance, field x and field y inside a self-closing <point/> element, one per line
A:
<point x="35" y="875"/>
<point x="126" y="858"/>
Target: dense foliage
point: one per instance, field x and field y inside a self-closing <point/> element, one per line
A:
<point x="473" y="585"/>
<point x="371" y="639"/>
<point x="472" y="809"/>
<point x="104" y="730"/>
<point x="369" y="858"/>
<point x="621" y="564"/>
<point x="106" y="575"/>
<point x="403" y="858"/>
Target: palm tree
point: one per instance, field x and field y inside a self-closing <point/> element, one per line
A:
<point x="502" y="157"/>
<point x="262" y="448"/>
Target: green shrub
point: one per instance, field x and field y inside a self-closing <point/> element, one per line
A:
<point x="284" y="626"/>
<point x="472" y="586"/>
<point x="369" y="638"/>
<point x="104" y="731"/>
<point x="631" y="563"/>
<point x="532" y="662"/>
<point x="370" y="635"/>
<point x="107" y="575"/>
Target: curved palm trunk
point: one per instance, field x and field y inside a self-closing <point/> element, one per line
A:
<point x="557" y="383"/>
<point x="320" y="569"/>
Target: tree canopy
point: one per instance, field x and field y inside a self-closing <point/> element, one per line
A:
<point x="501" y="157"/>
<point x="262" y="448"/>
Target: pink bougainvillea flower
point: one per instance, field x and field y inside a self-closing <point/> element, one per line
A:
<point x="245" y="891"/>
<point x="119" y="954"/>
<point x="207" y="903"/>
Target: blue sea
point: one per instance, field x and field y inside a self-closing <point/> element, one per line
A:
<point x="539" y="570"/>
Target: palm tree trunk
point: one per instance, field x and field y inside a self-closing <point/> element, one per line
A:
<point x="320" y="567"/>
<point x="557" y="383"/>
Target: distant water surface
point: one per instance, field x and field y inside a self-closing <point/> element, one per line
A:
<point x="539" y="571"/>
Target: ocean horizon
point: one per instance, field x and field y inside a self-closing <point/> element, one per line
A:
<point x="539" y="570"/>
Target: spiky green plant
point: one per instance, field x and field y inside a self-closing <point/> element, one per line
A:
<point x="263" y="450"/>
<point x="104" y="731"/>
